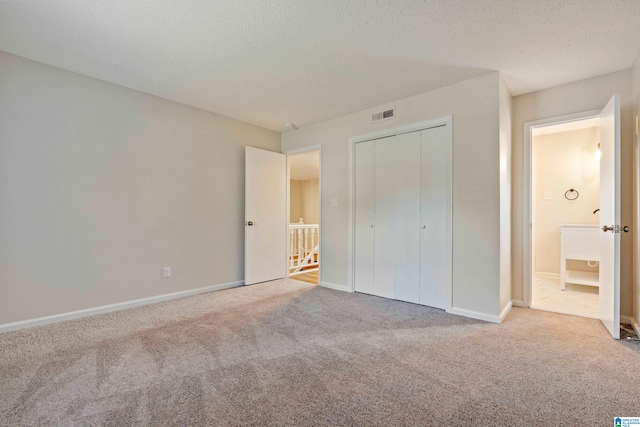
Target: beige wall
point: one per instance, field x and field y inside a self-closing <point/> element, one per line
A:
<point x="571" y="98"/>
<point x="304" y="201"/>
<point x="102" y="186"/>
<point x="506" y="112"/>
<point x="474" y="105"/>
<point x="311" y="201"/>
<point x="295" y="201"/>
<point x="562" y="161"/>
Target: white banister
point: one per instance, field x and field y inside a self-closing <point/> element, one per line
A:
<point x="291" y="240"/>
<point x="303" y="250"/>
<point x="300" y="252"/>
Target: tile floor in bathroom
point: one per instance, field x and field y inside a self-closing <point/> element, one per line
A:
<point x="577" y="300"/>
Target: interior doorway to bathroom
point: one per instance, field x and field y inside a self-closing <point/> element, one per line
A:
<point x="565" y="212"/>
<point x="577" y="240"/>
<point x="303" y="259"/>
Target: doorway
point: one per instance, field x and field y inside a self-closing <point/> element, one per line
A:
<point x="277" y="245"/>
<point x="578" y="241"/>
<point x="303" y="234"/>
<point x="565" y="184"/>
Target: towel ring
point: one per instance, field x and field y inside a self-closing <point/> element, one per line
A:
<point x="569" y="194"/>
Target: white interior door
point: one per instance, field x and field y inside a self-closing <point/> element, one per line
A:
<point x="402" y="215"/>
<point x="265" y="216"/>
<point x="396" y="267"/>
<point x="384" y="263"/>
<point x="364" y="216"/>
<point x="610" y="216"/>
<point x="435" y="245"/>
<point x="407" y="217"/>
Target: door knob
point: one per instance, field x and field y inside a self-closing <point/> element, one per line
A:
<point x="424" y="226"/>
<point x="606" y="228"/>
<point x="625" y="228"/>
<point x="249" y="223"/>
<point x="371" y="226"/>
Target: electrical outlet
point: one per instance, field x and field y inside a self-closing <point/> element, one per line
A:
<point x="334" y="202"/>
<point x="547" y="196"/>
<point x="166" y="272"/>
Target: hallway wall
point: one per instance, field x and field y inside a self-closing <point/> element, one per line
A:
<point x="304" y="201"/>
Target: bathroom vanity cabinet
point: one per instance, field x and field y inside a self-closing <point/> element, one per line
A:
<point x="579" y="242"/>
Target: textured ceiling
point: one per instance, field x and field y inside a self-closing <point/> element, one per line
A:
<point x="274" y="61"/>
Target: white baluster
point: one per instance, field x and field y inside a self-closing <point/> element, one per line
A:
<point x="313" y="245"/>
<point x="291" y="248"/>
<point x="303" y="247"/>
<point x="300" y="247"/>
<point x="306" y="242"/>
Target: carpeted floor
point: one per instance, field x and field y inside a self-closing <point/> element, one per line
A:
<point x="290" y="353"/>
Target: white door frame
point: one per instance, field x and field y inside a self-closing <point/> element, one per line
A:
<point x="293" y="152"/>
<point x="527" y="268"/>
<point x="448" y="121"/>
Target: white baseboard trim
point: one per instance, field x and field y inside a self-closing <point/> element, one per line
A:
<point x="631" y="321"/>
<point x="474" y="314"/>
<point x="343" y="288"/>
<point x="627" y="319"/>
<point x="506" y="311"/>
<point x="546" y="275"/>
<point x="568" y="313"/>
<point x="518" y="303"/>
<point x="29" y="323"/>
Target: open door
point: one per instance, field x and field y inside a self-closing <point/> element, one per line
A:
<point x="610" y="216"/>
<point x="265" y="204"/>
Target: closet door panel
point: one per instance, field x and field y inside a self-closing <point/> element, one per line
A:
<point x="364" y="216"/>
<point x="385" y="218"/>
<point x="407" y="217"/>
<point x="435" y="244"/>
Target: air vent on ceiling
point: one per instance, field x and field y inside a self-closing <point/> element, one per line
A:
<point x="383" y="115"/>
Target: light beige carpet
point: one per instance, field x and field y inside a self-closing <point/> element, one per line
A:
<point x="290" y="353"/>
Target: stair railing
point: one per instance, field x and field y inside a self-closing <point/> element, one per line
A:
<point x="304" y="242"/>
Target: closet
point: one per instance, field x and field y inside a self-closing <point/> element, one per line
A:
<point x="402" y="217"/>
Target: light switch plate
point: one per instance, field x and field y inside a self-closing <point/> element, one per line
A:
<point x="166" y="272"/>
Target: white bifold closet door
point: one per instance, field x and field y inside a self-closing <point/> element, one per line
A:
<point x="396" y="268"/>
<point x="364" y="217"/>
<point x="435" y="212"/>
<point x="402" y="217"/>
